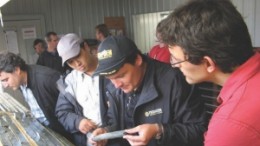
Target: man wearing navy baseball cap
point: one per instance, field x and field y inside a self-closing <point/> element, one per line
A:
<point x="82" y="105"/>
<point x="148" y="98"/>
<point x="112" y="54"/>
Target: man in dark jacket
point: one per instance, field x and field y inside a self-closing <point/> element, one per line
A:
<point x="50" y="57"/>
<point x="82" y="105"/>
<point x="37" y="84"/>
<point x="150" y="96"/>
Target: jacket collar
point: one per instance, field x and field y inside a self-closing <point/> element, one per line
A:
<point x="149" y="91"/>
<point x="30" y="77"/>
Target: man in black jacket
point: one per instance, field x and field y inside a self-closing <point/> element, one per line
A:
<point x="50" y="57"/>
<point x="148" y="98"/>
<point x="37" y="84"/>
<point x="82" y="105"/>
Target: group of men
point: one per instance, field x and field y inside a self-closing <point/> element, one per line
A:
<point x="122" y="89"/>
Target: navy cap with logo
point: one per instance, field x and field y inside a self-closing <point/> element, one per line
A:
<point x="112" y="53"/>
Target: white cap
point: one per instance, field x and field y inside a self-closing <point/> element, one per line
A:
<point x="68" y="46"/>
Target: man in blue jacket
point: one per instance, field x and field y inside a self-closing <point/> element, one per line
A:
<point x="38" y="87"/>
<point x="148" y="98"/>
<point x="82" y="105"/>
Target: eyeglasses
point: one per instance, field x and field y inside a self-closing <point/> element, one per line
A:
<point x="175" y="61"/>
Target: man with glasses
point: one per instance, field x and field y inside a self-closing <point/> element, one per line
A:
<point x="148" y="98"/>
<point x="81" y="105"/>
<point x="212" y="43"/>
<point x="174" y="61"/>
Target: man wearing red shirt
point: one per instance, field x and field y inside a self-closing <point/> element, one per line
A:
<point x="210" y="42"/>
<point x="160" y="52"/>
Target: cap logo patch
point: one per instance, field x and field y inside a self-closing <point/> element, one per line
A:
<point x="105" y="54"/>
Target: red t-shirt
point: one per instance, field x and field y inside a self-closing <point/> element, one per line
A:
<point x="160" y="53"/>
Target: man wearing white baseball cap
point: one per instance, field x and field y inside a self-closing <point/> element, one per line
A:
<point x="82" y="105"/>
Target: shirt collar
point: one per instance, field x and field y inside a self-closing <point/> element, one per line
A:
<point x="240" y="76"/>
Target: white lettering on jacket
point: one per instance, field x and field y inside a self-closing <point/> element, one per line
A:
<point x="153" y="112"/>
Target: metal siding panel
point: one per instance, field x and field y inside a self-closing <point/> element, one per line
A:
<point x="134" y="7"/>
<point x="86" y="19"/>
<point x="144" y="7"/>
<point x="154" y="6"/>
<point x="116" y="8"/>
<point x="61" y="16"/>
<point x="144" y="30"/>
<point x="75" y="16"/>
<point x="83" y="15"/>
<point x="38" y="7"/>
<point x="110" y="7"/>
<point x="65" y="16"/>
<point x="257" y="24"/>
<point x="166" y="5"/>
<point x="160" y="5"/>
<point x="140" y="6"/>
<point x="106" y="8"/>
<point x="128" y="18"/>
<point x="249" y="17"/>
<point x="91" y="16"/>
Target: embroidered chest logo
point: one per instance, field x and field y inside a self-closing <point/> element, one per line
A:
<point x="153" y="112"/>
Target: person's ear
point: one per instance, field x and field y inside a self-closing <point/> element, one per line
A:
<point x="17" y="70"/>
<point x="210" y="64"/>
<point x="86" y="47"/>
<point x="139" y="60"/>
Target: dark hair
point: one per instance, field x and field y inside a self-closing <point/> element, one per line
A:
<point x="211" y="28"/>
<point x="132" y="57"/>
<point x="37" y="41"/>
<point x="89" y="42"/>
<point x="102" y="28"/>
<point x="9" y="61"/>
<point x="49" y="34"/>
<point x="159" y="25"/>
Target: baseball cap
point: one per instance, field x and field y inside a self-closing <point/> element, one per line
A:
<point x="69" y="46"/>
<point x="112" y="53"/>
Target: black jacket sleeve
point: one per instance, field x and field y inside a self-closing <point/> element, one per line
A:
<point x="189" y="119"/>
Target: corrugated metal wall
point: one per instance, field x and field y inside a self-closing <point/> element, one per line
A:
<point x="57" y="13"/>
<point x="88" y="13"/>
<point x="133" y="7"/>
<point x="65" y="16"/>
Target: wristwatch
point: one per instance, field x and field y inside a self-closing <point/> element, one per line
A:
<point x="158" y="136"/>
